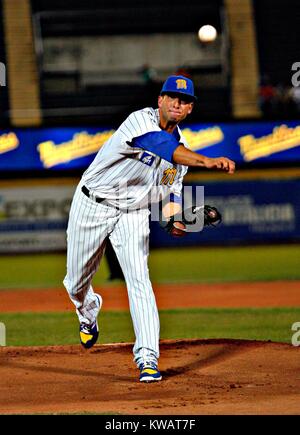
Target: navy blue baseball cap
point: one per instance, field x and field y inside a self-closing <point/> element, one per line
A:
<point x="179" y="85"/>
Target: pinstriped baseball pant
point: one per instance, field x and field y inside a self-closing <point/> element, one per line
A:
<point x="90" y="223"/>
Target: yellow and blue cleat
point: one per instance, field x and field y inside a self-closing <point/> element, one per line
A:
<point x="88" y="335"/>
<point x="149" y="373"/>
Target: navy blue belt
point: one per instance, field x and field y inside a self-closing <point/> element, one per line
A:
<point x="86" y="191"/>
<point x="95" y="198"/>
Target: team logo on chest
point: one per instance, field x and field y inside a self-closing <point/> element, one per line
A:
<point x="169" y="176"/>
<point x="147" y="159"/>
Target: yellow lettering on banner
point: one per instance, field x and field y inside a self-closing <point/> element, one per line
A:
<point x="281" y="139"/>
<point x="169" y="176"/>
<point x="203" y="138"/>
<point x="8" y="142"/>
<point x="82" y="144"/>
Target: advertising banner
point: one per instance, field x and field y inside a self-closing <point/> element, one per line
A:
<point x="255" y="211"/>
<point x="34" y="218"/>
<point x="71" y="148"/>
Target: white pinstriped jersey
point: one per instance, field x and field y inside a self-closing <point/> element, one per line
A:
<point x="128" y="176"/>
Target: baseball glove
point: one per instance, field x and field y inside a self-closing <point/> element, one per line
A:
<point x="192" y="219"/>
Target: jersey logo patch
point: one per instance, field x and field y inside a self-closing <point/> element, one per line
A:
<point x="147" y="159"/>
<point x="168" y="176"/>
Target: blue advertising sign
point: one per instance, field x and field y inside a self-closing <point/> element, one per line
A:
<point x="50" y="148"/>
<point x="253" y="211"/>
<point x="33" y="216"/>
<point x="247" y="141"/>
<point x="71" y="148"/>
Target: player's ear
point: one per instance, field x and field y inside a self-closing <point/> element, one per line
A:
<point x="160" y="98"/>
<point x="191" y="108"/>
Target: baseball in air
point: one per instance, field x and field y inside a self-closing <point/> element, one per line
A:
<point x="207" y="33"/>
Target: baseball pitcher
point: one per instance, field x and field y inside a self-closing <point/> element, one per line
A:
<point x="147" y="157"/>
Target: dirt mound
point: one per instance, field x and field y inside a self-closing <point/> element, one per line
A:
<point x="199" y="377"/>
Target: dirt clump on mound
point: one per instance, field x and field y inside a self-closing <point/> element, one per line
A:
<point x="199" y="377"/>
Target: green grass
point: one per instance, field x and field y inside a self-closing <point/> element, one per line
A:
<point x="200" y="264"/>
<point x="29" y="329"/>
<point x="218" y="264"/>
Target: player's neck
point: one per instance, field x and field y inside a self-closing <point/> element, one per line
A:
<point x="169" y="128"/>
<point x="166" y="125"/>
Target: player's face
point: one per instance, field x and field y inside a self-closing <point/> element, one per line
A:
<point x="174" y="109"/>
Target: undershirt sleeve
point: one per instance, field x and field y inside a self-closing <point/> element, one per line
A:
<point x="160" y="143"/>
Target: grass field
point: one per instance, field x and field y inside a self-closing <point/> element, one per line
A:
<point x="274" y="324"/>
<point x="213" y="264"/>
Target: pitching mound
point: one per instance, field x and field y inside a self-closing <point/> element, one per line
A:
<point x="199" y="377"/>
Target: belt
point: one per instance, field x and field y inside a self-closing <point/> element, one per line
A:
<point x="97" y="199"/>
<point x="87" y="193"/>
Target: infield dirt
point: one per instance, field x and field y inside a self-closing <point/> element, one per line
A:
<point x="199" y="376"/>
<point x="168" y="296"/>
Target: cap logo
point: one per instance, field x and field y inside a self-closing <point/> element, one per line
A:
<point x="181" y="84"/>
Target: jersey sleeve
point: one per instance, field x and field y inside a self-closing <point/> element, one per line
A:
<point x="141" y="131"/>
<point x="159" y="143"/>
<point x="137" y="124"/>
